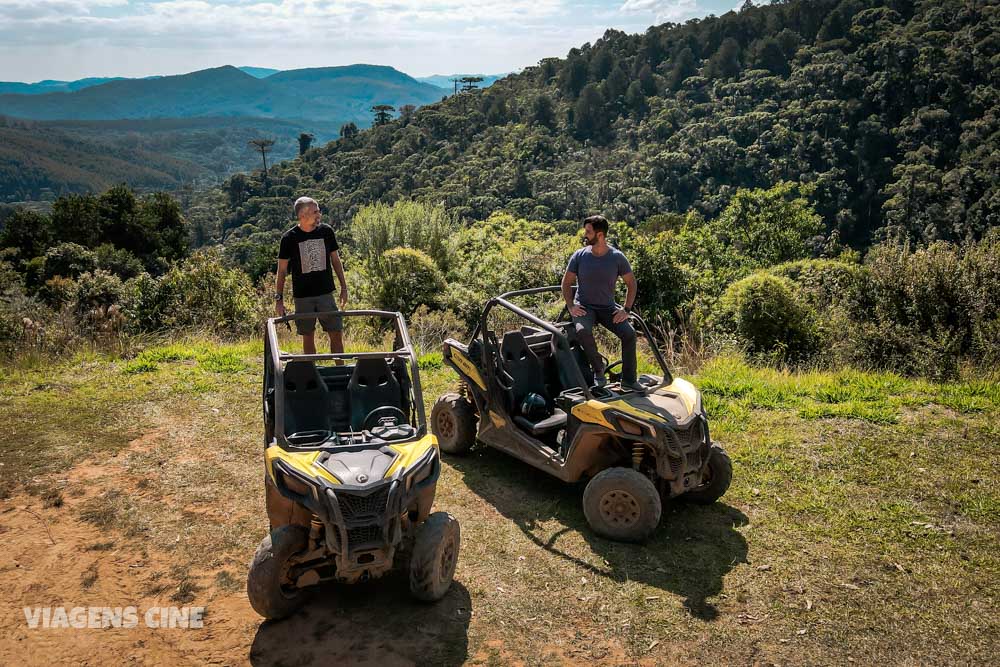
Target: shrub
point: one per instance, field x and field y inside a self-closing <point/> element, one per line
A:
<point x="925" y="310"/>
<point x="770" y="226"/>
<point x="825" y="282"/>
<point x="97" y="290"/>
<point x="57" y="291"/>
<point x="68" y="260"/>
<point x="429" y="328"/>
<point x="378" y="228"/>
<point x="200" y="292"/>
<point x="118" y="261"/>
<point x="406" y="279"/>
<point x="769" y="317"/>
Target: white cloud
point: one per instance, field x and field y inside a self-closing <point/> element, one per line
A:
<point x="68" y="38"/>
<point x="664" y="10"/>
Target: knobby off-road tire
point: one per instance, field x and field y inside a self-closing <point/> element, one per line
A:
<point x="453" y="420"/>
<point x="719" y="476"/>
<point x="622" y="504"/>
<point x="434" y="556"/>
<point x="268" y="596"/>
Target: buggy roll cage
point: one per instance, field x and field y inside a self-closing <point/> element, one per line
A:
<point x="276" y="357"/>
<point x="559" y="338"/>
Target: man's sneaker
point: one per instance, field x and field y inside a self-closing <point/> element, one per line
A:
<point x="600" y="379"/>
<point x="633" y="386"/>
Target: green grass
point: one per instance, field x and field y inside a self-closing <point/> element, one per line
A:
<point x="863" y="511"/>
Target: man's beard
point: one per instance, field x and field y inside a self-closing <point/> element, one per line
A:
<point x="587" y="241"/>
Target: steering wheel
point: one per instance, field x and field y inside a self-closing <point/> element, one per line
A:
<point x="614" y="376"/>
<point x="386" y="413"/>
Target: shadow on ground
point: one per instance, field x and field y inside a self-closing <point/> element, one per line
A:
<point x="689" y="554"/>
<point x="376" y="623"/>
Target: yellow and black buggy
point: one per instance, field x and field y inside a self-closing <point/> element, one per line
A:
<point x="351" y="472"/>
<point x="526" y="390"/>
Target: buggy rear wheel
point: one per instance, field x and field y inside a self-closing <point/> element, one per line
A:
<point x="622" y="504"/>
<point x="453" y="420"/>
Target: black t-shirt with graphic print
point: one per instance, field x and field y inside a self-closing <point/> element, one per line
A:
<point x="308" y="255"/>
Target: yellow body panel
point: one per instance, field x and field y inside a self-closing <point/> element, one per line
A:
<point x="592" y="412"/>
<point x="467" y="367"/>
<point x="629" y="409"/>
<point x="410" y="453"/>
<point x="305" y="462"/>
<point x="685" y="390"/>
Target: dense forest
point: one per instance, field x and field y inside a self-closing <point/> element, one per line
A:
<point x="807" y="182"/>
<point x="888" y="109"/>
<point x="43" y="159"/>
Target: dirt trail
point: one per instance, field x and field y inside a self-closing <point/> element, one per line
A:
<point x="54" y="558"/>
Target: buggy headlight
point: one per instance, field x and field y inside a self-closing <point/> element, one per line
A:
<point x="631" y="426"/>
<point x="421" y="470"/>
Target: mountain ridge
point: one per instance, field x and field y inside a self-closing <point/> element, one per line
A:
<point x="342" y="93"/>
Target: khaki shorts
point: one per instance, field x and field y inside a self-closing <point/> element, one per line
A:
<point x="317" y="304"/>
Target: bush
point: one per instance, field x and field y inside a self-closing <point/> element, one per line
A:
<point x="97" y="290"/>
<point x="429" y="329"/>
<point x="57" y="291"/>
<point x="825" y="282"/>
<point x="68" y="260"/>
<point x="923" y="311"/>
<point x="118" y="261"/>
<point x="378" y="228"/>
<point x="200" y="292"/>
<point x="769" y="317"/>
<point x="406" y="279"/>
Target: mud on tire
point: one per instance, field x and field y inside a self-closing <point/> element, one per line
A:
<point x="453" y="421"/>
<point x="622" y="504"/>
<point x="434" y="556"/>
<point x="268" y="570"/>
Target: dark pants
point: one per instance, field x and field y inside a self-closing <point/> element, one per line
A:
<point x="585" y="333"/>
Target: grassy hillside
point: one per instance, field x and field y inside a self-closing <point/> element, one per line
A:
<point x="860" y="528"/>
<point x="887" y="110"/>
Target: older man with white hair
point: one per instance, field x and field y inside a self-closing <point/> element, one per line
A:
<point x="309" y="251"/>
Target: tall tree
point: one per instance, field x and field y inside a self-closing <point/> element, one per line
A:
<point x="725" y="62"/>
<point x="348" y="131"/>
<point x="264" y="146"/>
<point x="383" y="114"/>
<point x="685" y="65"/>
<point x="543" y="112"/>
<point x="589" y="115"/>
<point x="305" y="141"/>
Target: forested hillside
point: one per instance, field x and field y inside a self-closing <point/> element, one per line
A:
<point x="43" y="158"/>
<point x="887" y="109"/>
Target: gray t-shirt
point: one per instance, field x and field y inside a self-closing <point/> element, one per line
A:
<point x="596" y="276"/>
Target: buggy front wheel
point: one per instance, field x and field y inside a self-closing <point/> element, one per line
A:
<point x="716" y="479"/>
<point x="434" y="556"/>
<point x="622" y="504"/>
<point x="271" y="591"/>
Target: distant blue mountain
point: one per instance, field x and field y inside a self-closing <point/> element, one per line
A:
<point x="259" y="72"/>
<point x="52" y="86"/>
<point x="328" y="94"/>
<point x="445" y="80"/>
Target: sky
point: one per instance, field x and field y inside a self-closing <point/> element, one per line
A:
<point x="72" y="39"/>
